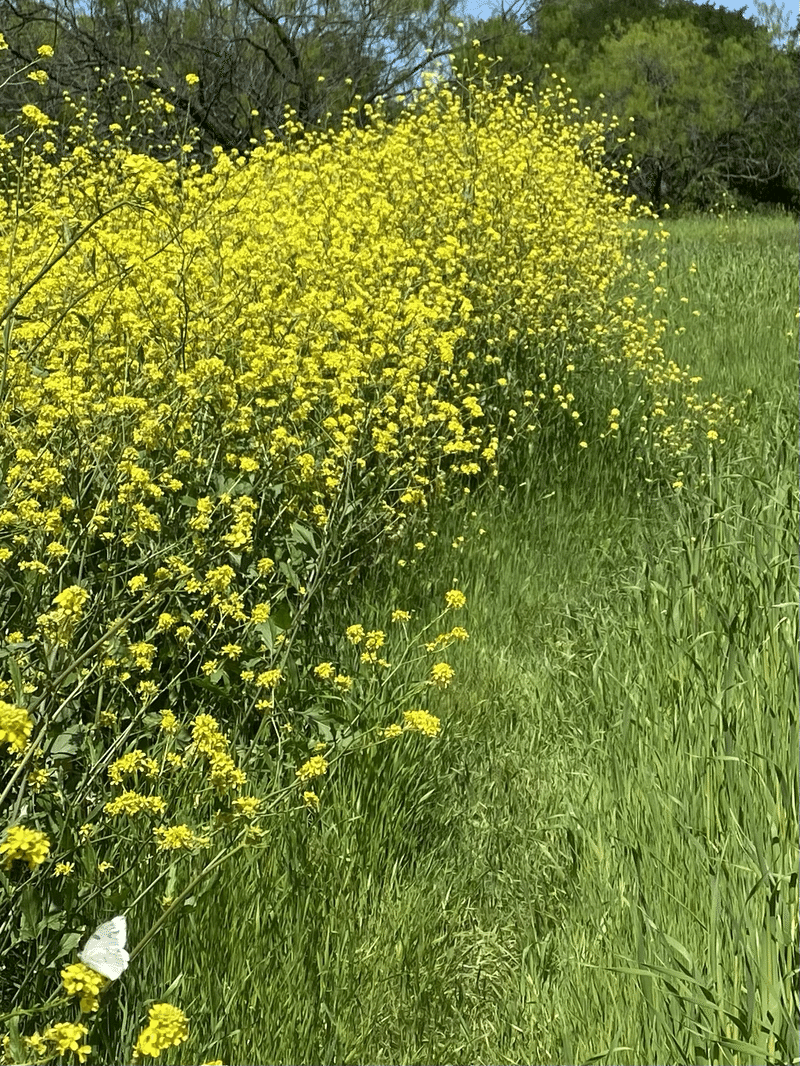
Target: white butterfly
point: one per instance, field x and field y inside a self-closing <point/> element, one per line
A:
<point x="105" y="949"/>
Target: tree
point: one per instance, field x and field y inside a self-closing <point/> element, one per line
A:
<point x="713" y="98"/>
<point x="253" y="58"/>
<point x="661" y="72"/>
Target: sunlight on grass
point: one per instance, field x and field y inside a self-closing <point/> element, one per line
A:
<point x="396" y="632"/>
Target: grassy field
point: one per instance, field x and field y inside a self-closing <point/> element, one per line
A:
<point x="597" y="861"/>
<point x="398" y="610"/>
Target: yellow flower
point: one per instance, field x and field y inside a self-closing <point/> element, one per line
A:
<point x="455" y="599"/>
<point x="167" y="1027"/>
<point x="174" y="838"/>
<point x="143" y="654"/>
<point x="169" y="723"/>
<point x="132" y="763"/>
<point x="66" y="1037"/>
<point x="15" y="726"/>
<point x="316" y="766"/>
<point x="132" y="803"/>
<point x="269" y="678"/>
<point x="219" y="579"/>
<point x="139" y="582"/>
<point x="422" y="722"/>
<point x="29" y="845"/>
<point x="374" y="640"/>
<point x="192" y="79"/>
<point x="246" y="806"/>
<point x="441" y="675"/>
<point x="38" y="118"/>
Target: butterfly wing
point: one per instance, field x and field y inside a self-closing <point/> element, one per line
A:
<point x="105" y="951"/>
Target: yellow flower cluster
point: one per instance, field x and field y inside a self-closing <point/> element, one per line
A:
<point x="131" y="803"/>
<point x="455" y="599"/>
<point x="15" y="726"/>
<point x="257" y="335"/>
<point x="212" y="743"/>
<point x="316" y="766"/>
<point x="59" y="623"/>
<point x="81" y="980"/>
<point x="167" y="1027"/>
<point x="441" y="675"/>
<point x="422" y="722"/>
<point x="28" y="845"/>
<point x="305" y="292"/>
<point x="131" y="763"/>
<point x="59" y="1040"/>
<point x="443" y="640"/>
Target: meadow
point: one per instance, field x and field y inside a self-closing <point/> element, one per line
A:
<point x="399" y="610"/>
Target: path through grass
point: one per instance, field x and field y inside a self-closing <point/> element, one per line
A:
<point x="597" y="862"/>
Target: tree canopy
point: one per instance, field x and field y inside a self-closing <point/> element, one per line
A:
<point x="713" y="94"/>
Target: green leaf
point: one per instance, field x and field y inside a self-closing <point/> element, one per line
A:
<point x="304" y="537"/>
<point x="66" y="743"/>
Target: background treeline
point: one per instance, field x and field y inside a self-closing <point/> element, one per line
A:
<point x="714" y="94"/>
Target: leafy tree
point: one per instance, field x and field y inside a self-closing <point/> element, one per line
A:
<point x="662" y="73"/>
<point x="714" y="100"/>
<point x="253" y="58"/>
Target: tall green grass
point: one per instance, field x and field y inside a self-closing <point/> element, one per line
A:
<point x="597" y="860"/>
<point x="744" y="286"/>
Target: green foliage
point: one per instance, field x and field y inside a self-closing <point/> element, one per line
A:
<point x="661" y="73"/>
<point x="714" y="99"/>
